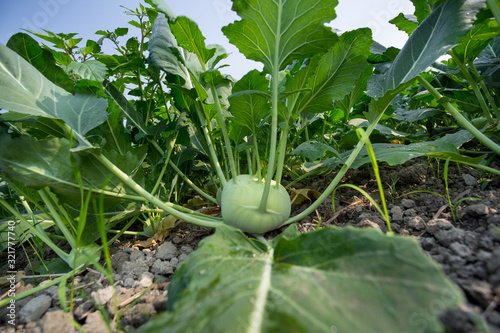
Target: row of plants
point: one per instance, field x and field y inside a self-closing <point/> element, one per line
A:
<point x="95" y="143"/>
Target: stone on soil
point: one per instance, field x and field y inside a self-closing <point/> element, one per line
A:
<point x="166" y="251"/>
<point x="35" y="308"/>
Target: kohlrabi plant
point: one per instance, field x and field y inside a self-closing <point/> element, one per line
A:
<point x="229" y="142"/>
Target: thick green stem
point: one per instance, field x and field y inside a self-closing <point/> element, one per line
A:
<point x="167" y="160"/>
<point x="225" y="136"/>
<point x="474" y="86"/>
<point x="461" y="120"/>
<point x="282" y="153"/>
<point x="207" y="221"/>
<point x="211" y="150"/>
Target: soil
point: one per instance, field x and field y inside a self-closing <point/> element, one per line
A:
<point x="466" y="245"/>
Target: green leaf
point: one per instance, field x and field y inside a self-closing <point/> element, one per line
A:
<point x="249" y="109"/>
<point x="38" y="164"/>
<point x="164" y="52"/>
<point x="24" y="89"/>
<point x="314" y="150"/>
<point x="406" y="23"/>
<point x="435" y="36"/>
<point x="476" y="40"/>
<point x="343" y="280"/>
<point x="189" y="36"/>
<point x="332" y="76"/>
<point x="410" y="116"/>
<point x="121" y="31"/>
<point x="42" y="59"/>
<point x="162" y="7"/>
<point x="90" y="70"/>
<point x="128" y="110"/>
<point x="277" y="32"/>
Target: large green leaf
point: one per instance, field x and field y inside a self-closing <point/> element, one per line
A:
<point x="189" y="36"/>
<point x="335" y="74"/>
<point x="435" y="36"/>
<point x="41" y="59"/>
<point x="331" y="280"/>
<point x="25" y="90"/>
<point x="278" y="32"/>
<point x="164" y="52"/>
<point x="37" y="164"/>
<point x="476" y="40"/>
<point x="91" y="70"/>
<point x="249" y="109"/>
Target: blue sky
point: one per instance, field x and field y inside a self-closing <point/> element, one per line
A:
<point x="86" y="17"/>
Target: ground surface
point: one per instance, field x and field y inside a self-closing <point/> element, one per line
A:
<point x="467" y="248"/>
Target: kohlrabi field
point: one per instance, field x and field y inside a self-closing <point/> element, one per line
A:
<point x="345" y="187"/>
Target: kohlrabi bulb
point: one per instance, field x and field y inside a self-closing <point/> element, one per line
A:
<point x="240" y="205"/>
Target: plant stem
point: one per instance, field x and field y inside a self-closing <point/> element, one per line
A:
<point x="473" y="85"/>
<point x="340" y="174"/>
<point x="225" y="136"/>
<point x="182" y="175"/>
<point x="282" y="153"/>
<point x="274" y="134"/>
<point x="461" y="120"/>
<point x="207" y="221"/>
<point x="57" y="219"/>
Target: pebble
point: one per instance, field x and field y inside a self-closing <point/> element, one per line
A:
<point x="460" y="249"/>
<point x="162" y="267"/>
<point x="476" y="210"/>
<point x="134" y="268"/>
<point x="136" y="255"/>
<point x="447" y="237"/>
<point x="408" y="203"/>
<point x="166" y="251"/>
<point x="35" y="308"/>
<point x="469" y="180"/>
<point x="57" y="321"/>
<point x="416" y="222"/>
<point x="102" y="296"/>
<point x="397" y="213"/>
<point x="435" y="225"/>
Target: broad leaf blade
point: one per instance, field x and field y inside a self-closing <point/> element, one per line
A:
<point x="91" y="70"/>
<point x="435" y="36"/>
<point x="350" y="280"/>
<point x="25" y="90"/>
<point x="189" y="36"/>
<point x="249" y="109"/>
<point x="41" y="59"/>
<point x="336" y="73"/>
<point x="278" y="32"/>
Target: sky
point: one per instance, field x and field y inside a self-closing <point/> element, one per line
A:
<point x="88" y="16"/>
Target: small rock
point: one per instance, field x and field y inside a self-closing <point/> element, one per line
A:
<point x="35" y="308"/>
<point x="162" y="267"/>
<point x="102" y="296"/>
<point x="427" y="243"/>
<point x="416" y="222"/>
<point x="436" y="225"/>
<point x="166" y="251"/>
<point x="476" y="210"/>
<point x="146" y="280"/>
<point x="493" y="264"/>
<point x="118" y="259"/>
<point x="460" y="249"/>
<point x="483" y="255"/>
<point x="469" y="180"/>
<point x="57" y="321"/>
<point x="408" y="203"/>
<point x="95" y="323"/>
<point x="397" y="213"/>
<point x="446" y="237"/>
<point x="82" y="310"/>
<point x="134" y="269"/>
<point x="129" y="282"/>
<point x="136" y="255"/>
<point x="186" y="249"/>
<point x="410" y="212"/>
<point x="366" y="223"/>
<point x="480" y="291"/>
